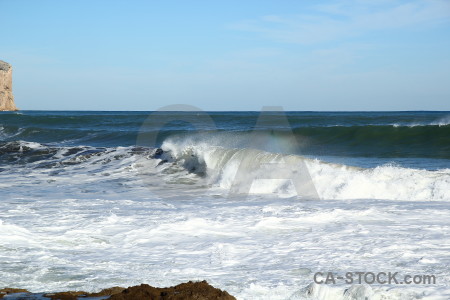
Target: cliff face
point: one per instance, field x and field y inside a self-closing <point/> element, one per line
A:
<point x="6" y="95"/>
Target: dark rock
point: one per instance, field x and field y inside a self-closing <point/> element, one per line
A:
<point x="158" y="152"/>
<point x="185" y="291"/>
<point x="6" y="291"/>
<point x="71" y="295"/>
<point x="107" y="292"/>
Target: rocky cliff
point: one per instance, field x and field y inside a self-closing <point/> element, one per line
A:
<point x="6" y="95"/>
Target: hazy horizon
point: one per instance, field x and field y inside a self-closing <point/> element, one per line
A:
<point x="162" y="110"/>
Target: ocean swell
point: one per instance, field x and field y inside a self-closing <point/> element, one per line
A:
<point x="214" y="167"/>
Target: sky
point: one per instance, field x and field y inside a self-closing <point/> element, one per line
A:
<point x="228" y="55"/>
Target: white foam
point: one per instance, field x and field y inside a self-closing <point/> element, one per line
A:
<point x="117" y="218"/>
<point x="443" y="121"/>
<point x="4" y="135"/>
<point x="384" y="182"/>
<point x="332" y="181"/>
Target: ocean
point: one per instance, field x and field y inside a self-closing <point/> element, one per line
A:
<point x="256" y="203"/>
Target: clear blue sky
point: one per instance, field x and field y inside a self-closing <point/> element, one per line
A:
<point x="228" y="55"/>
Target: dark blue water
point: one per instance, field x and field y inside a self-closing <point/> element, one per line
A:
<point x="412" y="139"/>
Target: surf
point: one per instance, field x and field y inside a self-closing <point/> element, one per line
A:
<point x="215" y="167"/>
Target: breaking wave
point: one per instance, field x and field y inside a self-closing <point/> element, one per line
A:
<point x="331" y="181"/>
<point x="224" y="169"/>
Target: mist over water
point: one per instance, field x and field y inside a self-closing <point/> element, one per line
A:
<point x="85" y="205"/>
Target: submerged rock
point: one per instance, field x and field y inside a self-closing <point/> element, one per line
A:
<point x="75" y="295"/>
<point x="8" y="291"/>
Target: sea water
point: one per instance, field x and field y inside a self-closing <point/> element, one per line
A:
<point x="97" y="199"/>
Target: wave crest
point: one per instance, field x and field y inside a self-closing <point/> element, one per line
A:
<point x="332" y="181"/>
<point x="232" y="170"/>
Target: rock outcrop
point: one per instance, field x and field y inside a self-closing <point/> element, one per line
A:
<point x="6" y="95"/>
<point x="184" y="291"/>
